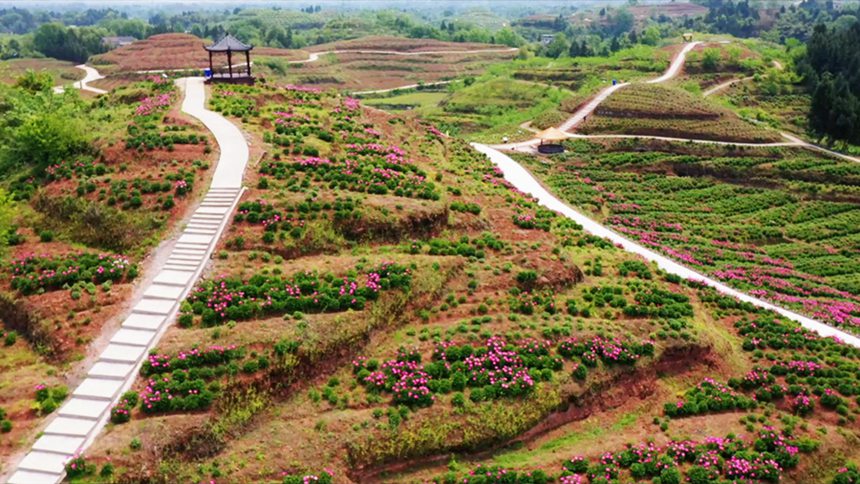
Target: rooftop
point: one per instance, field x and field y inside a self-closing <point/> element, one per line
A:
<point x="229" y="43"/>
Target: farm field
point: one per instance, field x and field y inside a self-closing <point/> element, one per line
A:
<point x="777" y="223"/>
<point x="383" y="302"/>
<point x="78" y="231"/>
<point x="650" y="109"/>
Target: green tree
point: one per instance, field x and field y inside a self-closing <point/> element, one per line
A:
<point x="35" y="81"/>
<point x="44" y="139"/>
<point x="557" y="47"/>
<point x="651" y="35"/>
<point x="711" y="59"/>
<point x="506" y="36"/>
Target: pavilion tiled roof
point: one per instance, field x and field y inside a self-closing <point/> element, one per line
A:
<point x="228" y="42"/>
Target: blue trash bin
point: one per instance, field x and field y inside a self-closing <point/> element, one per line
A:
<point x="207" y="73"/>
<point x="614" y="82"/>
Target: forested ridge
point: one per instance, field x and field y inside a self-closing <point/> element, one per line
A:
<point x="832" y="70"/>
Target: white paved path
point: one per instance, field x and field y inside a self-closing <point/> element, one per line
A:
<point x="522" y="180"/>
<point x="676" y="64"/>
<point x="76" y="424"/>
<point x="583" y="112"/>
<point x="84" y="84"/>
<point x="672" y="71"/>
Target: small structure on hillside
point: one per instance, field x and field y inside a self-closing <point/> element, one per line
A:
<point x="688" y="37"/>
<point x="117" y="41"/>
<point x="551" y="140"/>
<point x="234" y="74"/>
<point x="546" y="39"/>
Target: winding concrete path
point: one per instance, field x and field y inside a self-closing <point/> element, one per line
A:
<point x="673" y="70"/>
<point x="582" y="113"/>
<point x="676" y="64"/>
<point x="90" y="75"/>
<point x="76" y="424"/>
<point x="524" y="181"/>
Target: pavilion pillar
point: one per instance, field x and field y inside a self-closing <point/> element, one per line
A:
<point x="230" y="62"/>
<point x="248" y="61"/>
<point x="211" y="69"/>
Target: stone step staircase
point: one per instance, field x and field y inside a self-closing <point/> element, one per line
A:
<point x="86" y="412"/>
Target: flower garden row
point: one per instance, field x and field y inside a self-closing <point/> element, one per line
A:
<point x="34" y="274"/>
<point x="291" y="217"/>
<point x="229" y="298"/>
<point x="495" y="370"/>
<point x="712" y="459"/>
<point x="360" y="160"/>
<point x="770" y="242"/>
<point x="802" y="372"/>
<point x="369" y="168"/>
<point x="190" y="380"/>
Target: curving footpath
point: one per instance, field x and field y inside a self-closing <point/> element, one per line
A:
<point x="91" y="74"/>
<point x="408" y="86"/>
<point x="76" y="424"/>
<point x="673" y="70"/>
<point x="725" y="85"/>
<point x="676" y="64"/>
<point x="524" y="181"/>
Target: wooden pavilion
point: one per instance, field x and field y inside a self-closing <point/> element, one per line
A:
<point x="238" y="74"/>
<point x="551" y="140"/>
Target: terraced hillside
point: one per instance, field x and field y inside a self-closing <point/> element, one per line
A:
<point x="386" y="308"/>
<point x="774" y="222"/>
<point x="656" y="110"/>
<point x="79" y="222"/>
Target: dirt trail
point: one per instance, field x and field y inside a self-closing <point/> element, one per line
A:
<point x="720" y="87"/>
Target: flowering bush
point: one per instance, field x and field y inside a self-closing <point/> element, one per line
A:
<point x="495" y="370"/>
<point x="121" y="412"/>
<point x="847" y="475"/>
<point x="404" y="377"/>
<point x="532" y="216"/>
<point x="370" y="167"/>
<point x="49" y="398"/>
<point x="498" y="475"/>
<point x="77" y="466"/>
<point x="713" y="459"/>
<point x="324" y="477"/>
<point x="149" y="105"/>
<point x="32" y="273"/>
<point x="708" y="396"/>
<point x="226" y="298"/>
<point x="802" y="405"/>
<point x="214" y="355"/>
<point x="610" y="351"/>
<point x="174" y="392"/>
